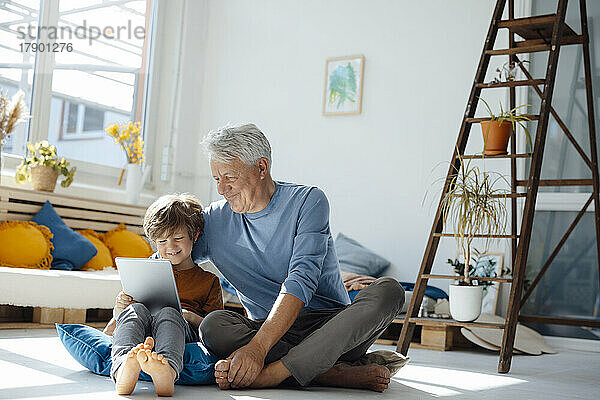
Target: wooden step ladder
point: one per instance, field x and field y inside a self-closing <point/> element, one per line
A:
<point x="539" y="33"/>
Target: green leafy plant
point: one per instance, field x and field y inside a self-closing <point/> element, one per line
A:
<point x="512" y="117"/>
<point x="474" y="205"/>
<point x="44" y="154"/>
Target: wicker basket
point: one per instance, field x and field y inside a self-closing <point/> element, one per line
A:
<point x="43" y="178"/>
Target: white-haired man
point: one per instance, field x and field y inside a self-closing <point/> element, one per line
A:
<point x="271" y="240"/>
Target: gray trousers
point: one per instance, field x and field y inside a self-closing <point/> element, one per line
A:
<point x="168" y="328"/>
<point x="317" y="339"/>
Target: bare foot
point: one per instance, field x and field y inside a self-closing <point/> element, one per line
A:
<point x="372" y="376"/>
<point x="127" y="375"/>
<point x="270" y="376"/>
<point x="159" y="369"/>
<point x="221" y="372"/>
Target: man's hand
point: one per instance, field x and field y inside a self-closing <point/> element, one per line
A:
<point x="121" y="303"/>
<point x="246" y="364"/>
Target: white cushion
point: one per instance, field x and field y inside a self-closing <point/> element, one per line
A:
<point x="59" y="289"/>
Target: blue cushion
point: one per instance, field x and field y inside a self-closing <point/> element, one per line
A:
<point x="71" y="249"/>
<point x="91" y="348"/>
<point x="430" y="291"/>
<point x="356" y="258"/>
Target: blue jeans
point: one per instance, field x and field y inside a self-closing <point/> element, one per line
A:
<point x="168" y="328"/>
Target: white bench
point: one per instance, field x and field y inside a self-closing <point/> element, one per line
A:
<point x="63" y="296"/>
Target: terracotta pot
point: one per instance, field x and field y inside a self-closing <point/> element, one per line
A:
<point x="43" y="178"/>
<point x="495" y="137"/>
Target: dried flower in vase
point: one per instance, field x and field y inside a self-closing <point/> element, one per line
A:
<point x="12" y="112"/>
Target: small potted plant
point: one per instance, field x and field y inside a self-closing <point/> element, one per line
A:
<point x="473" y="206"/>
<point x="497" y="131"/>
<point x="42" y="167"/>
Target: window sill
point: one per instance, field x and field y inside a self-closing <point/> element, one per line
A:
<point x="81" y="190"/>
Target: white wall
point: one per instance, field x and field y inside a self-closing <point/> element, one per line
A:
<point x="263" y="61"/>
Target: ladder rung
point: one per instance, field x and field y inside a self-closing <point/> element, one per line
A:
<point x="478" y="156"/>
<point x="478" y="236"/>
<point x="528" y="82"/>
<point x="476" y="120"/>
<point x="509" y="195"/>
<point x="519" y="50"/>
<point x="565" y="41"/>
<point x="536" y="27"/>
<point x="429" y="276"/>
<point x="560" y="182"/>
<point x="451" y="322"/>
<point x="528" y="21"/>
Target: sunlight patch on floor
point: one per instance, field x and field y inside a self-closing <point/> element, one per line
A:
<point x="430" y="389"/>
<point x="17" y="376"/>
<point x="247" y="398"/>
<point x="442" y="381"/>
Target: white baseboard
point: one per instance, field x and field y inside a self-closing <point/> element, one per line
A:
<point x="573" y="343"/>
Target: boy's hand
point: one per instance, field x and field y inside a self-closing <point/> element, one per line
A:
<point x="121" y="303"/>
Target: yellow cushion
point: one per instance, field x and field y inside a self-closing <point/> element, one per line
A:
<point x="103" y="258"/>
<point x="25" y="244"/>
<point x="124" y="243"/>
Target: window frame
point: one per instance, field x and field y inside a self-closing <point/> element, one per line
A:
<point x="88" y="174"/>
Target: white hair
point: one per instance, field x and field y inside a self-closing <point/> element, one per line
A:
<point x="243" y="141"/>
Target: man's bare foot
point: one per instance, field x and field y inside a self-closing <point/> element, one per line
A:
<point x="221" y="372"/>
<point x="372" y="376"/>
<point x="127" y="375"/>
<point x="271" y="375"/>
<point x="159" y="369"/>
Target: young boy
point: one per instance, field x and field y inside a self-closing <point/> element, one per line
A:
<point x="173" y="222"/>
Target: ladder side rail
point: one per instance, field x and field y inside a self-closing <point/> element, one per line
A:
<point x="513" y="146"/>
<point x="433" y="242"/>
<point x="534" y="175"/>
<point x="591" y="121"/>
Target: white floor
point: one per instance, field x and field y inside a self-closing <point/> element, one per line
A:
<point x="34" y="365"/>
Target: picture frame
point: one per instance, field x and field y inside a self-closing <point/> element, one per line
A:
<point x="342" y="94"/>
<point x="489" y="303"/>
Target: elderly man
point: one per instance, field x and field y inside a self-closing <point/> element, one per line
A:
<point x="271" y="240"/>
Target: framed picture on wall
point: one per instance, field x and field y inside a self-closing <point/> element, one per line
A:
<point x="343" y="85"/>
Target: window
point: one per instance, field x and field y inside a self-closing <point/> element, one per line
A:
<point x="16" y="67"/>
<point x="569" y="288"/>
<point x="94" y="75"/>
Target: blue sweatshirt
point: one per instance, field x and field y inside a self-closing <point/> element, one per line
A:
<point x="285" y="248"/>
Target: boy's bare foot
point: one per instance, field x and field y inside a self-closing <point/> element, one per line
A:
<point x="127" y="375"/>
<point x="221" y="371"/>
<point x="372" y="376"/>
<point x="159" y="369"/>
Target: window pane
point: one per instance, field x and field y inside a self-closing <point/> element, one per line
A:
<point x="71" y="117"/>
<point x="569" y="288"/>
<point x="16" y="66"/>
<point x="561" y="160"/>
<point x="93" y="119"/>
<point x="101" y="79"/>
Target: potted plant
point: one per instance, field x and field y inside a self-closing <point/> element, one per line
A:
<point x="43" y="166"/>
<point x="473" y="206"/>
<point x="497" y="131"/>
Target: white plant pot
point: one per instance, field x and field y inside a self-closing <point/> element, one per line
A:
<point x="465" y="302"/>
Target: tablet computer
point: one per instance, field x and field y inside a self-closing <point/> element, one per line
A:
<point x="150" y="282"/>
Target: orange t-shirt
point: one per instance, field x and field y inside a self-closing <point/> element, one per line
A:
<point x="199" y="290"/>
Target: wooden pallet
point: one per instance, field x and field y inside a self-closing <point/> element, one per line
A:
<point x="430" y="333"/>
